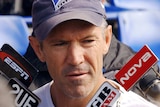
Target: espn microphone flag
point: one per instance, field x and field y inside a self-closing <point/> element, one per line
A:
<point x="136" y="67"/>
<point x="20" y="73"/>
<point x="13" y="65"/>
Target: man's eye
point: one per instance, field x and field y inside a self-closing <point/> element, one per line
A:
<point x="60" y="43"/>
<point x="88" y="41"/>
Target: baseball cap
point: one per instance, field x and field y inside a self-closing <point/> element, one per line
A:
<point x="46" y="14"/>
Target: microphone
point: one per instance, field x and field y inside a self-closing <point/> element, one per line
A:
<point x="150" y="87"/>
<point x="12" y="64"/>
<point x="106" y="96"/>
<point x="23" y="96"/>
<point x="129" y="74"/>
<point x="139" y="64"/>
<point x="20" y="74"/>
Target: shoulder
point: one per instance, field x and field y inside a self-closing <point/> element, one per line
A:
<point x="131" y="99"/>
<point x="44" y="89"/>
<point x="44" y="94"/>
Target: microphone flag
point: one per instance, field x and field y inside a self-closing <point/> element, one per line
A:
<point x="139" y="64"/>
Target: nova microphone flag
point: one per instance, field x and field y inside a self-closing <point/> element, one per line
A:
<point x="136" y="67"/>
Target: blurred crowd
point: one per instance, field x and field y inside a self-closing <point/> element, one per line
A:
<point x="18" y="7"/>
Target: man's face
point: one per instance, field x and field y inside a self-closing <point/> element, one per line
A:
<point x="73" y="52"/>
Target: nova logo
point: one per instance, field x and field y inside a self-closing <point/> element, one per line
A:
<point x="136" y="67"/>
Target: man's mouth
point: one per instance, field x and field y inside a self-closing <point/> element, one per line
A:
<point x="76" y="74"/>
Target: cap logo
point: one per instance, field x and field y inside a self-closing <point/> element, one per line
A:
<point x="59" y="3"/>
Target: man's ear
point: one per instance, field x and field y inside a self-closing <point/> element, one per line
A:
<point x="108" y="37"/>
<point x="37" y="48"/>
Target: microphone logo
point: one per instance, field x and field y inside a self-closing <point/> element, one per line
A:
<point x="106" y="96"/>
<point x="23" y="96"/>
<point x="136" y="67"/>
<point x="16" y="68"/>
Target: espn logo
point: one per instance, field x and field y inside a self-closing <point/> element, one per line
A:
<point x="16" y="68"/>
<point x="136" y="67"/>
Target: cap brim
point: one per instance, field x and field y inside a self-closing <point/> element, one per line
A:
<point x="44" y="28"/>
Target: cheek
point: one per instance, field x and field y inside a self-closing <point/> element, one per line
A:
<point x="95" y="58"/>
<point x="54" y="61"/>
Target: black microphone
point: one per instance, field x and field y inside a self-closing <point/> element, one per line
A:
<point x="20" y="74"/>
<point x="12" y="64"/>
<point x="23" y="96"/>
<point x="150" y="86"/>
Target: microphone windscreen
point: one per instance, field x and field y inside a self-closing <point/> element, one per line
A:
<point x="146" y="81"/>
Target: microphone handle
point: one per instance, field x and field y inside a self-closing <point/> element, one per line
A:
<point x="23" y="96"/>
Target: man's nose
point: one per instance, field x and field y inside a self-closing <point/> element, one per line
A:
<point x="75" y="55"/>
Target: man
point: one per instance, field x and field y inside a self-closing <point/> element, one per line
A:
<point x="71" y="37"/>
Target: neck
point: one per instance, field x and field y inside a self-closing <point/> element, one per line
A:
<point x="61" y="100"/>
